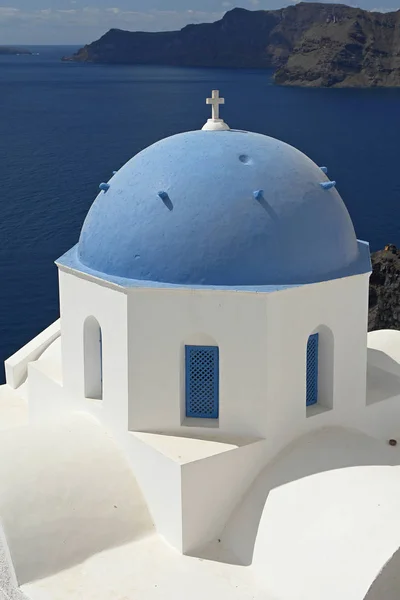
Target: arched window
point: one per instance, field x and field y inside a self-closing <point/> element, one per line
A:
<point x="312" y="370"/>
<point x="93" y="359"/>
<point x="202" y="382"/>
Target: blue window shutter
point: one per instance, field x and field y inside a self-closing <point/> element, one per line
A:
<point x="312" y="370"/>
<point x="202" y="382"/>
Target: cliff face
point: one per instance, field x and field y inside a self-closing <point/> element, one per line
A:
<point x="384" y="290"/>
<point x="346" y="47"/>
<point x="310" y="44"/>
<point x="241" y="39"/>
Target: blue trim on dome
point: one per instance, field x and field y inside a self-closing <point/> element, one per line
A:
<point x="208" y="228"/>
<point x="327" y="185"/>
<point x="258" y="194"/>
<point x="71" y="261"/>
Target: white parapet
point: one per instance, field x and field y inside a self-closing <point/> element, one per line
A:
<point x="17" y="365"/>
<point x="192" y="485"/>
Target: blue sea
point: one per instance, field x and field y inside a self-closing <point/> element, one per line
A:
<point x="65" y="127"/>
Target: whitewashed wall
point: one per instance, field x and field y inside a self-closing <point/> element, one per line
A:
<point x="262" y="342"/>
<point x="337" y="309"/>
<point x="80" y="299"/>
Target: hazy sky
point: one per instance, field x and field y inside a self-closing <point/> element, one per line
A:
<point x="82" y="21"/>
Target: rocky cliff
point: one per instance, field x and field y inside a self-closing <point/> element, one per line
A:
<point x="241" y="39"/>
<point x="384" y="290"/>
<point x="308" y="43"/>
<point x="346" y="47"/>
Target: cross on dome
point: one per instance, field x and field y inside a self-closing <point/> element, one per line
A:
<point x="215" y="123"/>
<point x="215" y="102"/>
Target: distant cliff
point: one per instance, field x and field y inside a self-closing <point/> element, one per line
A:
<point x="384" y="290"/>
<point x="309" y="44"/>
<point x="348" y="47"/>
<point x="241" y="39"/>
<point x="8" y="50"/>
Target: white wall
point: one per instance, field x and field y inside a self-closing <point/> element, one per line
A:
<point x="16" y="366"/>
<point x="160" y="480"/>
<point x="211" y="490"/>
<point x="162" y="322"/>
<point x="340" y="307"/>
<point x="80" y="299"/>
<point x="262" y="342"/>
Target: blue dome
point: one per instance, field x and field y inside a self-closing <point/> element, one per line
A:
<point x="227" y="208"/>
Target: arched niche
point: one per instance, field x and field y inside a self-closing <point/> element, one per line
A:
<point x="93" y="359"/>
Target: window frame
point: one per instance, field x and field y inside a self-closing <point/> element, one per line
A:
<point x="312" y="383"/>
<point x="189" y="412"/>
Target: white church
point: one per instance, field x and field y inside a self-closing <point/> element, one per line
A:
<point x="209" y="418"/>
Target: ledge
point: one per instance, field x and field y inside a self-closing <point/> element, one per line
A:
<point x="207" y="423"/>
<point x="70" y="263"/>
<point x="316" y="409"/>
<point x="17" y="365"/>
<point x="184" y="450"/>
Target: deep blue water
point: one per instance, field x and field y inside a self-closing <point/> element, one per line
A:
<point x="65" y="127"/>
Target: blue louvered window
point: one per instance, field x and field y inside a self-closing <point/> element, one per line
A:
<point x="202" y="386"/>
<point x="312" y="370"/>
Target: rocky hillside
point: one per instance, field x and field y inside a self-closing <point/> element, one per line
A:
<point x="241" y="39"/>
<point x="310" y="44"/>
<point x="384" y="290"/>
<point x="348" y="47"/>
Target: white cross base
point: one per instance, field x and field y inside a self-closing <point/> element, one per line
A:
<point x="215" y="123"/>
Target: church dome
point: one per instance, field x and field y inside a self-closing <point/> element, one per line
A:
<point x="225" y="207"/>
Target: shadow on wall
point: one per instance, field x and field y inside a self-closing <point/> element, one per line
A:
<point x="311" y="455"/>
<point x="387" y="585"/>
<point x="382" y="360"/>
<point x="383" y="376"/>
